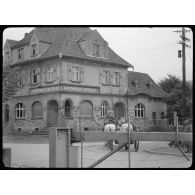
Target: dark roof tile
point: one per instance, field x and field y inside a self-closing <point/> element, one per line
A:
<point x="65" y="40"/>
<point x="142" y="79"/>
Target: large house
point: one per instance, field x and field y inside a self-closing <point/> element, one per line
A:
<point x="71" y="77"/>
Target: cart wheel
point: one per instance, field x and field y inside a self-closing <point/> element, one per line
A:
<point x="136" y="146"/>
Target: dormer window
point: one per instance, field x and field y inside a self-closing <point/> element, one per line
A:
<point x="134" y="83"/>
<point x="7" y="56"/>
<point x="34" y="50"/>
<point x="149" y="85"/>
<point x="21" y="53"/>
<point x="96" y="50"/>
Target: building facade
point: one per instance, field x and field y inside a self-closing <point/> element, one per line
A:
<point x="71" y="77"/>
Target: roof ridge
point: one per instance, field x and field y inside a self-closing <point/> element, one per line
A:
<point x="65" y="41"/>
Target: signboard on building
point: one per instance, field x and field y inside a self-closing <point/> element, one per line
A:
<point x="65" y="88"/>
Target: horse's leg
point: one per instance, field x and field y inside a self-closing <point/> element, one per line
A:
<point x="111" y="145"/>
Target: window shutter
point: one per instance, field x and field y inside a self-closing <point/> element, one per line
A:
<point x="31" y="76"/>
<point x="82" y="74"/>
<point x="54" y="73"/>
<point x="111" y="79"/>
<point x="69" y="73"/>
<point x="28" y="75"/>
<point x="47" y="75"/>
<point x="43" y="75"/>
<point x="101" y="76"/>
<point x="120" y="78"/>
<point x="58" y="71"/>
<point x="38" y="75"/>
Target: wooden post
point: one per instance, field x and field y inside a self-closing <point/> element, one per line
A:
<point x="106" y="156"/>
<point x="81" y="133"/>
<point x="129" y="153"/>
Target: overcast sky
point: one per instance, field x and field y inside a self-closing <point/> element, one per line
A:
<point x="149" y="50"/>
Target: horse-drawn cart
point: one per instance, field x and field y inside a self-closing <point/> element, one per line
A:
<point x="115" y="126"/>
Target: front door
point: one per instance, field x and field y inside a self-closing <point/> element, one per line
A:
<point x="52" y="113"/>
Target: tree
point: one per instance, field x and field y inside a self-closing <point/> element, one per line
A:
<point x="172" y="85"/>
<point x="11" y="79"/>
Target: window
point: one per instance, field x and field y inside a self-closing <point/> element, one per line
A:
<point x="106" y="77"/>
<point x="104" y="109"/>
<point x="96" y="50"/>
<point x="86" y="109"/>
<point x="162" y="115"/>
<point x="35" y="75"/>
<point x="148" y="85"/>
<point x="6" y="113"/>
<point x="68" y="108"/>
<point x="20" y="81"/>
<point x="50" y="74"/>
<point x="139" y="111"/>
<point x="75" y="73"/>
<point x="21" y="54"/>
<point x="116" y="78"/>
<point x="20" y="111"/>
<point x="7" y="57"/>
<point x="37" y="110"/>
<point x="34" y="50"/>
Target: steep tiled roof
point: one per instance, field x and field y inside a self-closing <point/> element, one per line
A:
<point x="65" y="40"/>
<point x="12" y="42"/>
<point x="137" y="84"/>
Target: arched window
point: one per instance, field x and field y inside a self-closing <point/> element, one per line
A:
<point x="6" y="113"/>
<point x="104" y="108"/>
<point x="139" y="111"/>
<point x="20" y="111"/>
<point x="37" y="110"/>
<point x="86" y="108"/>
<point x="68" y="108"/>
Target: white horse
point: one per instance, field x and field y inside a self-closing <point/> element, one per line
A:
<point x="124" y="129"/>
<point x="110" y="128"/>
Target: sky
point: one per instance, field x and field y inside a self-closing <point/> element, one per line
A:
<point x="149" y="50"/>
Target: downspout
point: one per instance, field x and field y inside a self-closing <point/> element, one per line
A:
<point x="61" y="83"/>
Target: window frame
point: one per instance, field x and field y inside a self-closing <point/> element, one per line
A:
<point x="21" y="110"/>
<point x="7" y="56"/>
<point x="162" y="115"/>
<point x="139" y="110"/>
<point x="35" y="75"/>
<point x="76" y="72"/>
<point x="34" y="49"/>
<point x="106" y="77"/>
<point x="104" y="109"/>
<point x="96" y="50"/>
<point x="50" y="74"/>
<point x="70" y="115"/>
<point x="21" y="54"/>
<point x="116" y="77"/>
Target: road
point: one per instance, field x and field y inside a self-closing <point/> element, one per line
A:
<point x="36" y="155"/>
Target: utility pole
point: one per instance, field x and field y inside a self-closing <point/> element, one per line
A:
<point x="182" y="53"/>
